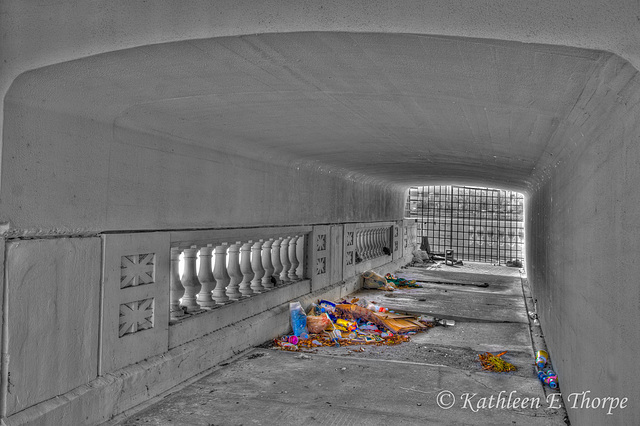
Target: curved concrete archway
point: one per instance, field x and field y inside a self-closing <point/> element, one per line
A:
<point x="386" y="109"/>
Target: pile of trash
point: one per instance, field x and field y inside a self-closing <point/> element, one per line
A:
<point x="344" y="323"/>
<point x="373" y="281"/>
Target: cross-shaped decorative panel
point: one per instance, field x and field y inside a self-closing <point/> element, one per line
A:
<point x="349" y="250"/>
<point x="321" y="242"/>
<point x="348" y="260"/>
<point x="406" y="237"/>
<point x="321" y="265"/>
<point x="136" y="316"/>
<point x="138" y="269"/>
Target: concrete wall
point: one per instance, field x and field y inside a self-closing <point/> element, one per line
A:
<point x="70" y="174"/>
<point x="583" y="245"/>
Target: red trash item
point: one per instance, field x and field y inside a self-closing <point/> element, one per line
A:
<point x="316" y="324"/>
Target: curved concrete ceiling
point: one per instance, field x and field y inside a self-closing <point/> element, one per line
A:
<point x="402" y="108"/>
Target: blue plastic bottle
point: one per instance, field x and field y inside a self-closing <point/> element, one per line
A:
<point x="298" y="320"/>
<point x="541" y="376"/>
<point x="548" y="377"/>
<point x="551" y="378"/>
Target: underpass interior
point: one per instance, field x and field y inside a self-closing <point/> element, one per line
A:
<point x="435" y="378"/>
<point x="318" y="128"/>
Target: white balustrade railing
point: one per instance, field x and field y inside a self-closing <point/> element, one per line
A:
<point x="213" y="278"/>
<point x="373" y="241"/>
<point x="212" y="268"/>
<point x="207" y="271"/>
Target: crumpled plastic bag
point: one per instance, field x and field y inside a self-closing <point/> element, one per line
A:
<point x="317" y="323"/>
<point x="371" y="280"/>
<point x="298" y="319"/>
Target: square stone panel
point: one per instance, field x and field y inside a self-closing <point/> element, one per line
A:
<point x="137" y="269"/>
<point x="136" y="316"/>
<point x="349" y="258"/>
<point x="54" y="299"/>
<point x="349" y="239"/>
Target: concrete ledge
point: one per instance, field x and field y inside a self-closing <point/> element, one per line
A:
<point x="114" y="393"/>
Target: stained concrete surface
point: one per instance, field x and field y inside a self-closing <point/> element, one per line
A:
<point x="380" y="385"/>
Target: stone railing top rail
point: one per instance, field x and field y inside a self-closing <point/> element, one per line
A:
<point x="184" y="239"/>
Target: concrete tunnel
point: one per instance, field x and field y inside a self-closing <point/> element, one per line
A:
<point x="124" y="121"/>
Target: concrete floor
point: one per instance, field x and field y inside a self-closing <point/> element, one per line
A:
<point x="408" y="384"/>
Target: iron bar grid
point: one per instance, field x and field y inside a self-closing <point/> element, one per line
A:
<point x="480" y="224"/>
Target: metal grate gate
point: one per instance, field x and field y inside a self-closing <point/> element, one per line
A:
<point x="480" y="224"/>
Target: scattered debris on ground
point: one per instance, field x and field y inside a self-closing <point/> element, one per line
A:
<point x="390" y="282"/>
<point x="360" y="323"/>
<point x="495" y="363"/>
<point x="401" y="282"/>
<point x="346" y="323"/>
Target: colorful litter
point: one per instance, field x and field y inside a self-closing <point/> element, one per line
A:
<point x="389" y="282"/>
<point x="541" y="358"/>
<point x="546" y="376"/>
<point x="354" y="322"/>
<point x="495" y="363"/>
<point x="373" y="281"/>
<point x="401" y="282"/>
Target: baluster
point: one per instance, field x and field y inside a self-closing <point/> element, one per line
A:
<point x="256" y="265"/>
<point x="372" y="243"/>
<point x="220" y="274"/>
<point x="364" y="244"/>
<point x="245" y="268"/>
<point x="234" y="271"/>
<point x="367" y="243"/>
<point x="284" y="258"/>
<point x="359" y="248"/>
<point x="190" y="280"/>
<point x="388" y="240"/>
<point x="293" y="258"/>
<point x="175" y="285"/>
<point x="267" y="264"/>
<point x="206" y="278"/>
<point x="275" y="259"/>
<point x="379" y="242"/>
<point x="301" y="245"/>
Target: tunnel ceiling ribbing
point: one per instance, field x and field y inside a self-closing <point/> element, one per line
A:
<point x="399" y="108"/>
